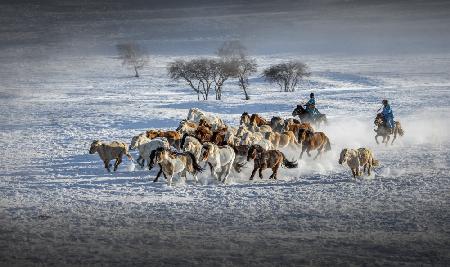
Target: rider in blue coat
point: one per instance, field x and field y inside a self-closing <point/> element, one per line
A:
<point x="311" y="106"/>
<point x="388" y="114"/>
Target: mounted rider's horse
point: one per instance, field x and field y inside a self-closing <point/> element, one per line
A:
<point x="304" y="116"/>
<point x="386" y="132"/>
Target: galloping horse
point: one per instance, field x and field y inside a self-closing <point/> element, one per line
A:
<point x="268" y="159"/>
<point x="304" y="116"/>
<point x="385" y="132"/>
<point x="219" y="158"/>
<point x="176" y="163"/>
<point x="313" y="141"/>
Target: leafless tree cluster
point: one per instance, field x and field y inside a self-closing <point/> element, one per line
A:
<point x="286" y="75"/>
<point x="207" y="74"/>
<point x="203" y="75"/>
<point x="132" y="56"/>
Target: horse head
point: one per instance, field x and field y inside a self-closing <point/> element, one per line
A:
<point x="344" y="156"/>
<point x="379" y="120"/>
<point x="94" y="146"/>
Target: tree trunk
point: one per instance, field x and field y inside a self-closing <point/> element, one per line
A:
<point x="247" y="97"/>
<point x="242" y="84"/>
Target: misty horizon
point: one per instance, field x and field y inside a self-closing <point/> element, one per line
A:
<point x="199" y="27"/>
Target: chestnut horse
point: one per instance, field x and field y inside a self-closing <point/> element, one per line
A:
<point x="314" y="141"/>
<point x="268" y="159"/>
<point x="203" y="134"/>
<point x="258" y="120"/>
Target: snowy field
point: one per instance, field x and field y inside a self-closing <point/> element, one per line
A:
<point x="59" y="206"/>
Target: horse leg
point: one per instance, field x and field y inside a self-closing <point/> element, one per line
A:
<point x="319" y="152"/>
<point x="106" y="162"/>
<point x="169" y="181"/>
<point x="139" y="159"/>
<point x="253" y="172"/>
<point x="303" y="150"/>
<point x="195" y="177"/>
<point x="387" y="141"/>
<point x="260" y="173"/>
<point x="216" y="170"/>
<point x="307" y="152"/>
<point x="395" y="136"/>
<point x="376" y="139"/>
<point x="210" y="167"/>
<point x="275" y="171"/>
<point x="157" y="176"/>
<point x="354" y="173"/>
<point x="226" y="172"/>
<point x="116" y="164"/>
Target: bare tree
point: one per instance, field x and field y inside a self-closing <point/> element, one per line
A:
<point x="245" y="68"/>
<point x="286" y="75"/>
<point x="235" y="54"/>
<point x="221" y="71"/>
<point x="197" y="73"/>
<point x="132" y="56"/>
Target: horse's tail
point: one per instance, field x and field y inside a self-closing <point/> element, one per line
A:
<point x="195" y="165"/>
<point x="152" y="158"/>
<point x="399" y="128"/>
<point x="289" y="164"/>
<point x="183" y="140"/>
<point x="328" y="145"/>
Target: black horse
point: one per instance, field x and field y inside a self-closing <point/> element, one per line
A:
<point x="304" y="116"/>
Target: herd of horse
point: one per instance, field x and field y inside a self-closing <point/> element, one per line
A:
<point x="203" y="140"/>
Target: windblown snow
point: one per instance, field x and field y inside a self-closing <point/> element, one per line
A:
<point x="59" y="206"/>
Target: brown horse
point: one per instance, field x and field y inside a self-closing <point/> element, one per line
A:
<point x="296" y="128"/>
<point x="218" y="137"/>
<point x="385" y="132"/>
<point x="258" y="120"/>
<point x="314" y="141"/>
<point x="268" y="159"/>
<point x="173" y="137"/>
<point x="203" y="134"/>
<point x="204" y="122"/>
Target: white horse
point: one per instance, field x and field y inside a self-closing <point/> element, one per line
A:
<point x="146" y="146"/>
<point x="173" y="163"/>
<point x="256" y="139"/>
<point x="191" y="144"/>
<point x="196" y="115"/>
<point x="220" y="159"/>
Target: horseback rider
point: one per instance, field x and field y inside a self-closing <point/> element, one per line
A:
<point x="311" y="106"/>
<point x="388" y="115"/>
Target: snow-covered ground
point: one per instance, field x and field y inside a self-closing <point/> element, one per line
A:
<point x="58" y="205"/>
